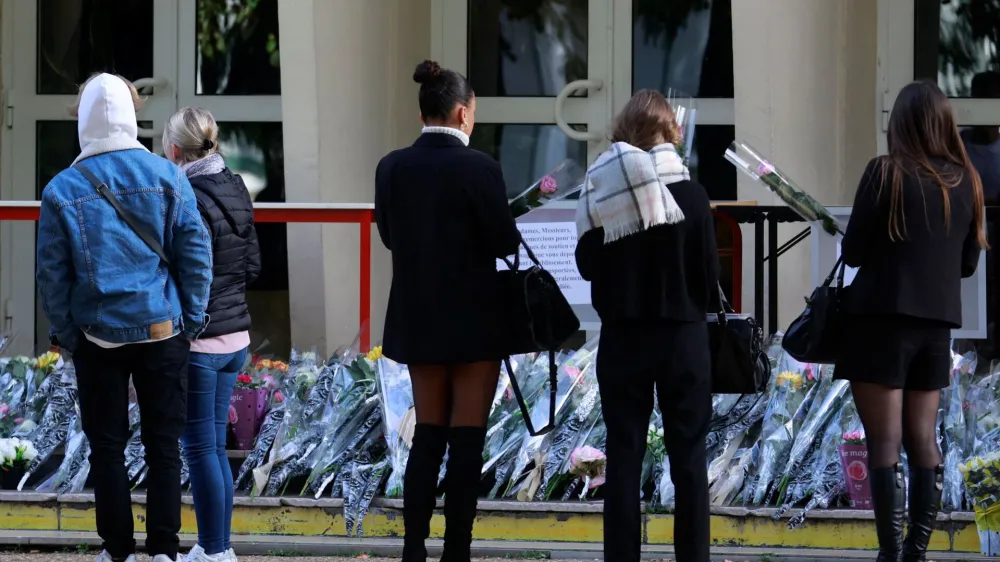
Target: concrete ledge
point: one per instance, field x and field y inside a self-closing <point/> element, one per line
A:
<point x="256" y="519"/>
<point x="326" y="546"/>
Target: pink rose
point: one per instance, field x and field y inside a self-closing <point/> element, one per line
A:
<point x="18" y="421"/>
<point x="278" y="397"/>
<point x="233" y="416"/>
<point x="548" y="185"/>
<point x="597" y="482"/>
<point x="586" y="454"/>
<point x="765" y="168"/>
<point x="4" y="409"/>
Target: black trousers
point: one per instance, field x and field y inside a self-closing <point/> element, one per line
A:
<point x="632" y="361"/>
<point x="159" y="375"/>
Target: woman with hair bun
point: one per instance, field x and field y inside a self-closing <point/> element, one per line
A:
<point x="442" y="211"/>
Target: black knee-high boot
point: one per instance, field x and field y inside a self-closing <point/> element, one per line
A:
<point x="889" y="499"/>
<point x="420" y="488"/>
<point x="925" y="502"/>
<point x="461" y="489"/>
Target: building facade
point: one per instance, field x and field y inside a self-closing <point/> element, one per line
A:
<point x="310" y="94"/>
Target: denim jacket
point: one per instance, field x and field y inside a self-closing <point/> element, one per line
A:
<point x="96" y="275"/>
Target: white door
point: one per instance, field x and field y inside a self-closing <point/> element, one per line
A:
<point x="520" y="56"/>
<point x="209" y="53"/>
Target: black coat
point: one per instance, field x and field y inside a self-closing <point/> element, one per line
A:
<point x="227" y="210"/>
<point x="667" y="272"/>
<point x="921" y="275"/>
<point x="442" y="211"/>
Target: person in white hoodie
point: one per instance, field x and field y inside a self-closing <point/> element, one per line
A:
<point x="124" y="268"/>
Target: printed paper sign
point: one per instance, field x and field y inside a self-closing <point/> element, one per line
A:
<point x="554" y="244"/>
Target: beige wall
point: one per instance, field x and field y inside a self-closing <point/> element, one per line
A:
<point x="346" y="101"/>
<point x="805" y="94"/>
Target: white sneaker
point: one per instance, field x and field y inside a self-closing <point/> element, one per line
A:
<point x="105" y="557"/>
<point x="162" y="558"/>
<point x="198" y="554"/>
<point x="230" y="556"/>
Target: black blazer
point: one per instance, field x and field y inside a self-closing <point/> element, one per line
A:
<point x="442" y="211"/>
<point x="668" y="272"/>
<point x="919" y="276"/>
<point x="227" y="210"/>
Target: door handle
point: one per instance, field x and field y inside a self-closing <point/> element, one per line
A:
<point x="570" y="89"/>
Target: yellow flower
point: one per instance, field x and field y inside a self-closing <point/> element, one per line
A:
<point x="375" y="354"/>
<point x="788" y="378"/>
<point x="279" y="366"/>
<point x="264" y="364"/>
<point x="46" y="360"/>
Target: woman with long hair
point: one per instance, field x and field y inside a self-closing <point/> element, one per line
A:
<point x="648" y="249"/>
<point x="916" y="230"/>
<point x="191" y="140"/>
<point x="442" y="211"/>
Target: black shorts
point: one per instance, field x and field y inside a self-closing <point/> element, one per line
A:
<point x="896" y="351"/>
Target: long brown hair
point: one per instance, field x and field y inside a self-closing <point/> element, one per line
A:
<point x="646" y="121"/>
<point x="921" y="128"/>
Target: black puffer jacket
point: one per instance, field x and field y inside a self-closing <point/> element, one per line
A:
<point x="226" y="208"/>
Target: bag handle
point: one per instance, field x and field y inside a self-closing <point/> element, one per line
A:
<point x="838" y="271"/>
<point x="516" y="265"/>
<point x="126" y="216"/>
<point x="525" y="413"/>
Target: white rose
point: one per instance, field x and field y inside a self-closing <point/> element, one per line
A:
<point x="30" y="452"/>
<point x="7" y="451"/>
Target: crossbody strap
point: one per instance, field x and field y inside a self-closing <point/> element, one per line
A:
<point x="126" y="216"/>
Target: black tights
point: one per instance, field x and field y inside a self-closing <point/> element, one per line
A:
<point x="895" y="418"/>
<point x="454" y="395"/>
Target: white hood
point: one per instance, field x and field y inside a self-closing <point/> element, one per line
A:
<point x="106" y="120"/>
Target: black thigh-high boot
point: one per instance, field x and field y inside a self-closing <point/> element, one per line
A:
<point x="889" y="499"/>
<point x="925" y="502"/>
<point x="461" y="490"/>
<point x="420" y="488"/>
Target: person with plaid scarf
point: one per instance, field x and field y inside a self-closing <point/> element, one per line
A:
<point x="647" y="246"/>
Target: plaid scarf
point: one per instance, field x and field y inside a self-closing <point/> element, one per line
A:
<point x="625" y="191"/>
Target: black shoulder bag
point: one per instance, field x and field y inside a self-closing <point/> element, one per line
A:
<point x="540" y="319"/>
<point x="814" y="337"/>
<point x="126" y="216"/>
<point x="739" y="360"/>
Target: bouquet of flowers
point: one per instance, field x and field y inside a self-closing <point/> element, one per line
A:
<point x="16" y="453"/>
<point x="748" y="160"/>
<point x="398" y="419"/>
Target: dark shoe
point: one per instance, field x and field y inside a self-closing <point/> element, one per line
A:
<point x="420" y="488"/>
<point x="925" y="502"/>
<point x="461" y="490"/>
<point x="889" y="501"/>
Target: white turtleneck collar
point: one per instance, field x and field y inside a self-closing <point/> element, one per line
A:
<point x="449" y="131"/>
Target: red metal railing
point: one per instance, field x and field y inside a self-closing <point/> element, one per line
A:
<point x="361" y="214"/>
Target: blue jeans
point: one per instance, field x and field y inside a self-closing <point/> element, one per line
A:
<point x="211" y="379"/>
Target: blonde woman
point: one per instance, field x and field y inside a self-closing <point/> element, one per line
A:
<point x="125" y="299"/>
<point x="191" y="140"/>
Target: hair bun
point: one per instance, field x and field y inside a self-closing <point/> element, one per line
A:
<point x="207" y="144"/>
<point x="426" y="71"/>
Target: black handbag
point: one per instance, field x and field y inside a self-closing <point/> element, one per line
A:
<point x="739" y="360"/>
<point x="539" y="319"/>
<point x="815" y="336"/>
